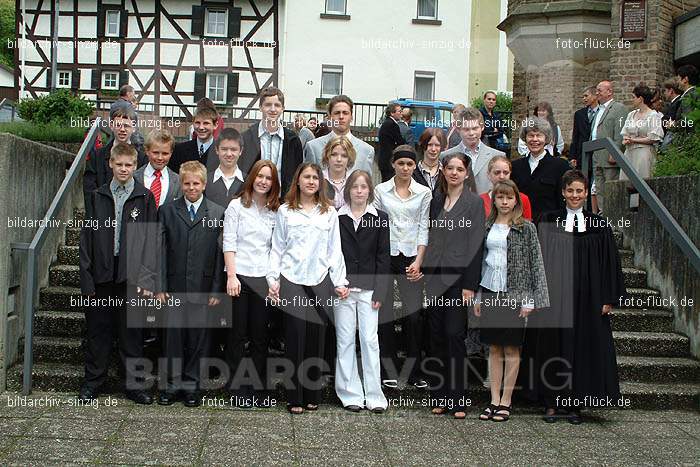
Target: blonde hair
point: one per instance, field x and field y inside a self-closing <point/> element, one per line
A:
<point x="193" y="168"/>
<point x="159" y="137"/>
<point x="343" y="142"/>
<point x="123" y="149"/>
<point x="507" y="187"/>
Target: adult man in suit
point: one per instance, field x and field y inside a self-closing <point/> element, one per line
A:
<point x="269" y="139"/>
<point x="97" y="169"/>
<point x="193" y="272"/>
<point x="224" y="183"/>
<point x="608" y="123"/>
<point x="470" y="124"/>
<point x="405" y="126"/>
<point x="583" y="118"/>
<point x="688" y="76"/>
<point x="201" y="148"/>
<point x="340" y="117"/>
<point x="389" y="136"/>
<point x="156" y="175"/>
<point x="673" y="91"/>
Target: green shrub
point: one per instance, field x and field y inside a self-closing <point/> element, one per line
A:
<point x="60" y="107"/>
<point x="48" y="132"/>
<point x="682" y="157"/>
<point x="7" y="32"/>
<point x="504" y="102"/>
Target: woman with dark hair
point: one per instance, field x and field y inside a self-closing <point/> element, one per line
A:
<point x="453" y="267"/>
<point x="306" y="265"/>
<point x="642" y="131"/>
<point x="248" y="225"/>
<point x="555" y="147"/>
<point x="364" y="234"/>
<point x="492" y="120"/>
<point x="572" y="352"/>
<point x="431" y="143"/>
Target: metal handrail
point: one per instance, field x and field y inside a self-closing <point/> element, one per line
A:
<point x="33" y="250"/>
<point x="667" y="221"/>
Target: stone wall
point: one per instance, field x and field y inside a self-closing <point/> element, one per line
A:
<point x="667" y="268"/>
<point x="31" y="175"/>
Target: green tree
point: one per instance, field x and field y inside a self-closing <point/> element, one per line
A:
<point x="7" y="32"/>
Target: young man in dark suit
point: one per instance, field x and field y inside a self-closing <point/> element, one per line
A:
<point x="200" y="149"/>
<point x="583" y="118"/>
<point x="270" y="139"/>
<point x="97" y="168"/>
<point x="389" y="136"/>
<point x="117" y="259"/>
<point x="224" y="183"/>
<point x="192" y="271"/>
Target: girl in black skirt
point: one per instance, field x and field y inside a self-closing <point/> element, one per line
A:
<point x="513" y="284"/>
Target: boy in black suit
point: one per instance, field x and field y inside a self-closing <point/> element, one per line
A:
<point x="192" y="270"/>
<point x="116" y="258"/>
<point x="201" y="148"/>
<point x="224" y="183"/>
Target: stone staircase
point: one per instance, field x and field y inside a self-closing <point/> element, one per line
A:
<point x="656" y="368"/>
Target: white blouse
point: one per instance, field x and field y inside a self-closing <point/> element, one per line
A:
<point x="495" y="267"/>
<point x="306" y="247"/>
<point x="248" y="233"/>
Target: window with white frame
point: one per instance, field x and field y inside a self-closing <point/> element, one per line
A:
<point x="424" y="85"/>
<point x="110" y="80"/>
<point x="64" y="79"/>
<point x="336" y="7"/>
<point x="216" y="87"/>
<point x="216" y="20"/>
<point x="112" y="23"/>
<point x="427" y="9"/>
<point x="331" y="80"/>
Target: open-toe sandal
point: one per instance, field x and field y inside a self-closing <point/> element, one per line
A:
<point x="501" y="417"/>
<point x="488" y="412"/>
<point x="295" y="409"/>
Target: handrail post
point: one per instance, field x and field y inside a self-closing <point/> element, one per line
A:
<point x="29" y="323"/>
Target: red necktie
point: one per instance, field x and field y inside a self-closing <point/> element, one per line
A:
<point x="155" y="187"/>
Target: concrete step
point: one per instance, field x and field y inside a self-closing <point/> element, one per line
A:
<point x="654" y="396"/>
<point x="67" y="275"/>
<point x="651" y="344"/>
<point x="643" y="298"/>
<point x="658" y="369"/>
<point x="59" y="323"/>
<point x="627" y="258"/>
<point x="634" y="277"/>
<point x="72" y="236"/>
<point x="629" y="319"/>
<point x="58" y="298"/>
<point x="78" y="214"/>
<point x="58" y="377"/>
<point x="58" y="350"/>
<point x="69" y="255"/>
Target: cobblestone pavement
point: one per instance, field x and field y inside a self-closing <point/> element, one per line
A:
<point x="48" y="429"/>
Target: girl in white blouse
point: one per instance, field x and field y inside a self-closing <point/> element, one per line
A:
<point x="248" y="225"/>
<point x="306" y="265"/>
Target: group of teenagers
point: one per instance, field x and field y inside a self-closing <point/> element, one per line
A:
<point x="257" y="225"/>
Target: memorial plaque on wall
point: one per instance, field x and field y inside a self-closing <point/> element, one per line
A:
<point x="633" y="20"/>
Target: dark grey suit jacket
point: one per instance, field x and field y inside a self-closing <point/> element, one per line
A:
<point x="174" y="191"/>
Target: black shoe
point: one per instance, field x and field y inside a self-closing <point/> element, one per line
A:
<point x="191" y="400"/>
<point x="550" y="418"/>
<point x="353" y="408"/>
<point x="378" y="410"/>
<point x="166" y="398"/>
<point x="390" y="383"/>
<point x="574" y="418"/>
<point x="87" y="394"/>
<point x="140" y="397"/>
<point x="419" y="383"/>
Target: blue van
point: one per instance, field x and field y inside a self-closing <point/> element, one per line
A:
<point x="427" y="114"/>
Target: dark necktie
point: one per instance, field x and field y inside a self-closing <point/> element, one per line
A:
<point x="591" y="114"/>
<point x="201" y="151"/>
<point x="193" y="213"/>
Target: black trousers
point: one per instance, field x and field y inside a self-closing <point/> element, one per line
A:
<point x="306" y="314"/>
<point x="186" y="345"/>
<point x="411" y="294"/>
<point x="447" y="365"/>
<point x="102" y="323"/>
<point x="250" y="319"/>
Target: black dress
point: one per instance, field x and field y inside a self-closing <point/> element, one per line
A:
<point x="569" y="348"/>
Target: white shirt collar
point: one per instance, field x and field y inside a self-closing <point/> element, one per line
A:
<point x="570" y="214"/>
<point x="411" y="185"/>
<point x="262" y="130"/>
<point x="537" y="158"/>
<point x="463" y="147"/>
<point x="333" y="134"/>
<point x="206" y="143"/>
<point x="196" y="204"/>
<point x="219" y="174"/>
<point x="345" y="209"/>
<point x="149" y="171"/>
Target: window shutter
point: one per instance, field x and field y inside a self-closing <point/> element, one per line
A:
<point x="234" y="22"/>
<point x="75" y="80"/>
<point x="101" y="19"/>
<point x="232" y="89"/>
<point x="96" y="77"/>
<point x="197" y="20"/>
<point x="123" y="77"/>
<point x="200" y="84"/>
<point x="123" y="23"/>
<point x="48" y="78"/>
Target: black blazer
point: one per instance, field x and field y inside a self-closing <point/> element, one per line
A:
<point x="217" y="193"/>
<point x="389" y="136"/>
<point x="366" y="252"/>
<point x="581" y="134"/>
<point x="292" y="154"/>
<point x="137" y="240"/>
<point x="670" y="112"/>
<point x="192" y="259"/>
<point x="543" y="186"/>
<point x="97" y="171"/>
<point x="188" y="151"/>
<point x="455" y="243"/>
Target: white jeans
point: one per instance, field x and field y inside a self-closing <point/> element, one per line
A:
<point x="356" y="312"/>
